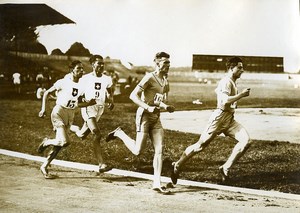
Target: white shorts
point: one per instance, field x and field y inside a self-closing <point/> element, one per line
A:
<point x="62" y="117"/>
<point x="94" y="111"/>
<point x="223" y="122"/>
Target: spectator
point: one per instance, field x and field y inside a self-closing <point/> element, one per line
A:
<point x="17" y="82"/>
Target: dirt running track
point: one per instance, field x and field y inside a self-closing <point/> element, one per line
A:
<point x="23" y="189"/>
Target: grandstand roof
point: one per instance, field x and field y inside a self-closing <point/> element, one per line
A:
<point x="30" y="15"/>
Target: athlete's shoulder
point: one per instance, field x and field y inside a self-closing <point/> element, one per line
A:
<point x="146" y="78"/>
<point x="149" y="75"/>
<point x="87" y="75"/>
<point x="106" y="77"/>
<point x="225" y="81"/>
<point x="60" y="83"/>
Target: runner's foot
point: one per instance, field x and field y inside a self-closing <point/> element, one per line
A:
<point x="83" y="136"/>
<point x="42" y="146"/>
<point x="45" y="173"/>
<point x="104" y="168"/>
<point x="111" y="135"/>
<point x="161" y="190"/>
<point x="224" y="173"/>
<point x="174" y="173"/>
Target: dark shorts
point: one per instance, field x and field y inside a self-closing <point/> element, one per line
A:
<point x="145" y="121"/>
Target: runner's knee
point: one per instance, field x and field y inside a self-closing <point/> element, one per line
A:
<point x="63" y="143"/>
<point x="242" y="146"/>
<point x="96" y="133"/>
<point x="66" y="144"/>
<point x="137" y="151"/>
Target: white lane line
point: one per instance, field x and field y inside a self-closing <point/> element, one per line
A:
<point x="89" y="167"/>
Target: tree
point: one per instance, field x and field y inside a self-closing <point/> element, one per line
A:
<point x="22" y="39"/>
<point x="57" y="52"/>
<point x="77" y="49"/>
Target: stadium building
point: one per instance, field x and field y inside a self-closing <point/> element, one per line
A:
<point x="216" y="63"/>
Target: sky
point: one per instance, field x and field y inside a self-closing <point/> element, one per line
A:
<point x="134" y="30"/>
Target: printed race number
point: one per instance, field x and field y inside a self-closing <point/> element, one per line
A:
<point x="158" y="98"/>
<point x="71" y="104"/>
<point x="97" y="94"/>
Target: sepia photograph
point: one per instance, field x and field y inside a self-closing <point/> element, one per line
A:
<point x="150" y="106"/>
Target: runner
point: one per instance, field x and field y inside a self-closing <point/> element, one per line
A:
<point x="148" y="95"/>
<point x="221" y="121"/>
<point x="68" y="98"/>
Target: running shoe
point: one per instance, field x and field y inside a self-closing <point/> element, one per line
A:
<point x="162" y="190"/>
<point x="42" y="147"/>
<point x="224" y="173"/>
<point x="174" y="174"/>
<point x="45" y="173"/>
<point x="104" y="168"/>
<point x="111" y="135"/>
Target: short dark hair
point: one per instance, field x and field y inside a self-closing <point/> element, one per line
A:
<point x="160" y="55"/>
<point x="73" y="64"/>
<point x="93" y="58"/>
<point x="232" y="62"/>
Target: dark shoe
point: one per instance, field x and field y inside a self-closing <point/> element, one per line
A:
<point x="162" y="190"/>
<point x="104" y="168"/>
<point x="111" y="135"/>
<point x="41" y="147"/>
<point x="174" y="174"/>
<point x="45" y="173"/>
<point x="224" y="173"/>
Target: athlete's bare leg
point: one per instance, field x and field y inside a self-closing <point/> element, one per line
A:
<point x="239" y="149"/>
<point x="157" y="136"/>
<point x="52" y="155"/>
<point x="135" y="146"/>
<point x="193" y="149"/>
<point x="93" y="126"/>
<point x="60" y="141"/>
<point x="84" y="131"/>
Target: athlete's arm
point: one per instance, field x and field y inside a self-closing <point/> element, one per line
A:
<point x="83" y="103"/>
<point x="135" y="96"/>
<point x="110" y="97"/>
<point x="226" y="99"/>
<point x="169" y="108"/>
<point x="45" y="97"/>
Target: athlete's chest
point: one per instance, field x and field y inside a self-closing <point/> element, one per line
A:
<point x="71" y="90"/>
<point x="97" y="83"/>
<point x="157" y="85"/>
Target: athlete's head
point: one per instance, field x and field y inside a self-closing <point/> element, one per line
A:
<point x="235" y="66"/>
<point x="76" y="69"/>
<point x="97" y="64"/>
<point x="162" y="62"/>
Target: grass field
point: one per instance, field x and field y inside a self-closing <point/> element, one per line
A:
<point x="268" y="165"/>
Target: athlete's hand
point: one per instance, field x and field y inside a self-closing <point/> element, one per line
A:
<point x="42" y="113"/>
<point x="153" y="109"/>
<point x="246" y="92"/>
<point x="170" y="108"/>
<point x="92" y="102"/>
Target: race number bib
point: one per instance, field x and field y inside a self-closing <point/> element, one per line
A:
<point x="158" y="98"/>
<point x="71" y="104"/>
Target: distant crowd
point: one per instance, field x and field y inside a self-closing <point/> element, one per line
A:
<point x="36" y="84"/>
